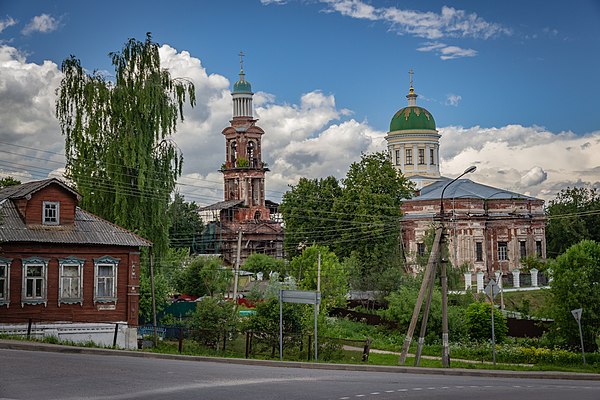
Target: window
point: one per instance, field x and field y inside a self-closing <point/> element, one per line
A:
<point x="420" y="249"/>
<point x="70" y="285"/>
<point x="409" y="157"/>
<point x="421" y="156"/>
<point x="105" y="272"/>
<point x="51" y="213"/>
<point x="538" y="248"/>
<point x="522" y="249"/>
<point x="478" y="251"/>
<point x="34" y="281"/>
<point x="502" y="251"/>
<point x="398" y="157"/>
<point x="431" y="157"/>
<point x="5" y="280"/>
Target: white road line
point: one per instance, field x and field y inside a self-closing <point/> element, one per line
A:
<point x="402" y="390"/>
<point x="417" y="389"/>
<point x="389" y="391"/>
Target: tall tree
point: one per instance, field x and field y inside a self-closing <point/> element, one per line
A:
<point x="308" y="213"/>
<point x="333" y="275"/>
<point x="186" y="225"/>
<point x="369" y="222"/>
<point x="575" y="277"/>
<point x="117" y="137"/>
<point x="574" y="215"/>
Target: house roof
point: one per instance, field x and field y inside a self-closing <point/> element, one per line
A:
<point x="24" y="189"/>
<point x="466" y="189"/>
<point x="86" y="228"/>
<point x="222" y="205"/>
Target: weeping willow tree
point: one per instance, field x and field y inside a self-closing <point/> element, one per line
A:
<point x="117" y="137"/>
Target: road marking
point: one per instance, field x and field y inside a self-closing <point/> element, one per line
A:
<point x="375" y="393"/>
<point x="402" y="390"/>
<point x="389" y="391"/>
<point x="417" y="388"/>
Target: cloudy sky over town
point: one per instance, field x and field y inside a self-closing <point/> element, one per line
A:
<point x="513" y="86"/>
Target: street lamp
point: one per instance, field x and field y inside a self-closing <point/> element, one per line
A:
<point x="444" y="277"/>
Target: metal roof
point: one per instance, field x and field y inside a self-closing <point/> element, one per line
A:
<point x="22" y="190"/>
<point x="466" y="189"/>
<point x="222" y="205"/>
<point x="86" y="229"/>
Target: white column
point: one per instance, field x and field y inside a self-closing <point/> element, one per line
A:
<point x="516" y="278"/>
<point x="468" y="282"/>
<point x="534" y="277"/>
<point x="479" y="282"/>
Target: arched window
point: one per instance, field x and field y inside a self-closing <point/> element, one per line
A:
<point x="250" y="153"/>
<point x="233" y="152"/>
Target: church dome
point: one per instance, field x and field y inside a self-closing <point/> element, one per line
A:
<point x="242" y="86"/>
<point x="412" y="117"/>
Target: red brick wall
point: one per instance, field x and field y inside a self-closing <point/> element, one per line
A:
<point x="128" y="270"/>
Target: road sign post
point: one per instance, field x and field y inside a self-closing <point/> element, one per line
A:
<point x="301" y="297"/>
<point x="577" y="315"/>
<point x="492" y="290"/>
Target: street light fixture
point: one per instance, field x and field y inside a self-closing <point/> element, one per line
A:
<point x="444" y="277"/>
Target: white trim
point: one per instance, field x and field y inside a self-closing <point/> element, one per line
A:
<point x="106" y="261"/>
<point x="70" y="262"/>
<point x="34" y="262"/>
<point x="5" y="262"/>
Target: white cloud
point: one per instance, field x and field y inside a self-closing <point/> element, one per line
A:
<point x="453" y="99"/>
<point x="528" y="160"/>
<point x="7" y="22"/>
<point x="44" y="23"/>
<point x="312" y="138"/>
<point x="447" y="52"/>
<point x="450" y="22"/>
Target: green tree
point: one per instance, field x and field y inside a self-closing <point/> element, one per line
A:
<point x="575" y="277"/>
<point x="479" y="322"/>
<point x="334" y="276"/>
<point x="204" y="276"/>
<point x="186" y="225"/>
<point x="574" y="215"/>
<point x="369" y="217"/>
<point x="117" y="133"/>
<point x="211" y="319"/>
<point x="307" y="210"/>
<point x="9" y="181"/>
<point x="264" y="263"/>
<point x="161" y="294"/>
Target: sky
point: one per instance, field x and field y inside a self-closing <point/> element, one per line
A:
<point x="513" y="85"/>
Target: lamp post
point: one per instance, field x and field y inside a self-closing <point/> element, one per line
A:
<point x="444" y="277"/>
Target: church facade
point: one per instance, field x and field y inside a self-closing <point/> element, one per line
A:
<point x="489" y="230"/>
<point x="244" y="221"/>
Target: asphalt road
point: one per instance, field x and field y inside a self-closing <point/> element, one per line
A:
<point x="48" y="375"/>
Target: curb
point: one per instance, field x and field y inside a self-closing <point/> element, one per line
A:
<point x="56" y="348"/>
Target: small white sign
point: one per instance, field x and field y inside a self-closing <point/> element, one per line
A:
<point x="577" y="313"/>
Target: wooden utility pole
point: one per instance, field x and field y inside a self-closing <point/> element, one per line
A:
<point x="444" y="278"/>
<point x="236" y="271"/>
<point x="153" y="296"/>
<point x="431" y="263"/>
<point x="423" y="331"/>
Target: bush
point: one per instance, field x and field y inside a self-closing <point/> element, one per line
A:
<point x="211" y="320"/>
<point x="479" y="323"/>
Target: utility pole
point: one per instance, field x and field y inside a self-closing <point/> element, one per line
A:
<point x="444" y="278"/>
<point x="236" y="271"/>
<point x="431" y="262"/>
<point x="319" y="277"/>
<point x="421" y="341"/>
<point x="153" y="296"/>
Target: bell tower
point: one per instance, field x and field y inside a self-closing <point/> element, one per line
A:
<point x="244" y="170"/>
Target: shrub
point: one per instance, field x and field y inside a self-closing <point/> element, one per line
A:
<point x="211" y="320"/>
<point x="479" y="323"/>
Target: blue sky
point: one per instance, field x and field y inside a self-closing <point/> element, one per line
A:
<point x="513" y="85"/>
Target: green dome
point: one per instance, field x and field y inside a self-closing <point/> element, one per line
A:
<point x="412" y="117"/>
<point x="242" y="86"/>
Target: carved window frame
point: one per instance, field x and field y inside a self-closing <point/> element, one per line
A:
<point x="70" y="262"/>
<point x="5" y="281"/>
<point x="100" y="263"/>
<point x="31" y="262"/>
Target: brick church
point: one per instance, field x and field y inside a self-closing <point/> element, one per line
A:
<point x="244" y="216"/>
<point x="490" y="230"/>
